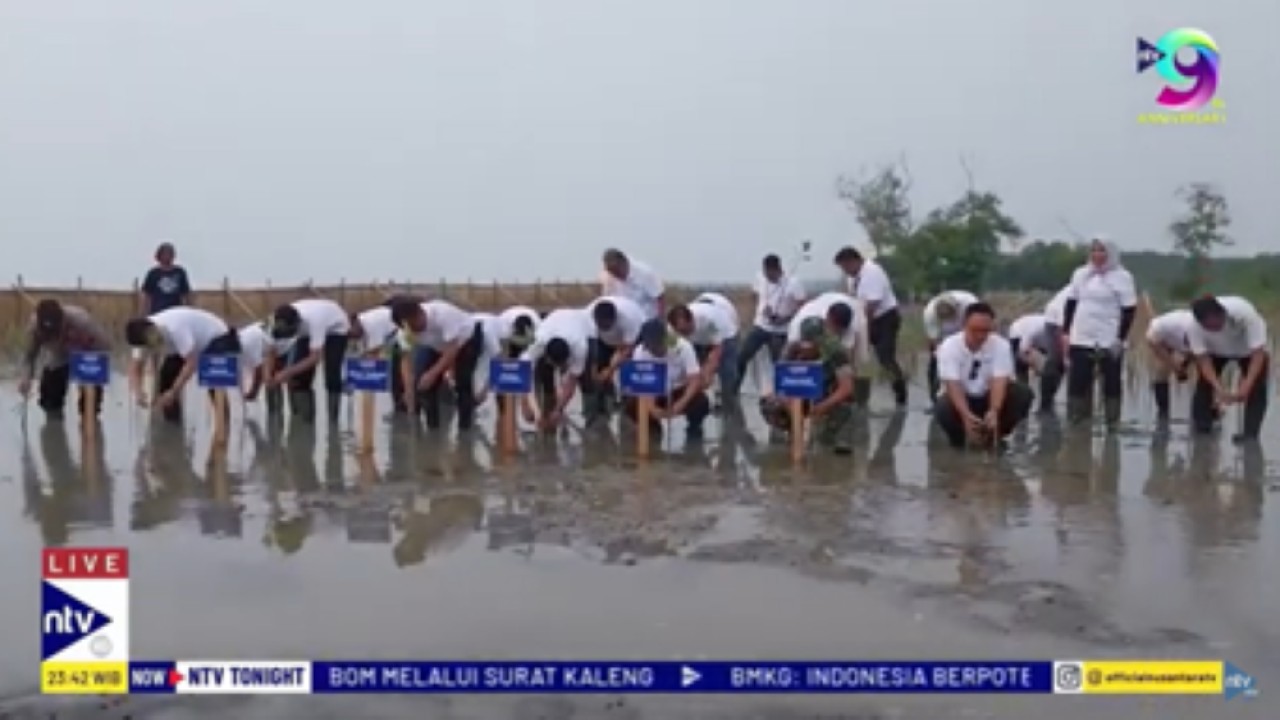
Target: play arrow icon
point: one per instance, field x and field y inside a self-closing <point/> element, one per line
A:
<point x="1148" y="55"/>
<point x="688" y="676"/>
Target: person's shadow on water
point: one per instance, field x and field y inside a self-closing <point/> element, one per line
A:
<point x="162" y="478"/>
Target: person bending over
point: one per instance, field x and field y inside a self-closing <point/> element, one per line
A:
<point x="1229" y="331"/>
<point x="312" y="331"/>
<point x="179" y="336"/>
<point x="685" y="397"/>
<point x="561" y="344"/>
<point x="55" y="332"/>
<point x="1170" y="357"/>
<point x="818" y="340"/>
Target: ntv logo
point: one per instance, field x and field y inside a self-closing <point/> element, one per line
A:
<point x="84" y="605"/>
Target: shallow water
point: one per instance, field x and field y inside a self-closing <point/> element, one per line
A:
<point x="1072" y="545"/>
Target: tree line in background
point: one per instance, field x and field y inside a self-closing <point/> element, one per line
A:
<point x="974" y="244"/>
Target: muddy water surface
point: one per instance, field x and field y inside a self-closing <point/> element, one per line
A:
<point x="1073" y="545"/>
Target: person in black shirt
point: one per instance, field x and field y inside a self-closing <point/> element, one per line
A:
<point x="166" y="284"/>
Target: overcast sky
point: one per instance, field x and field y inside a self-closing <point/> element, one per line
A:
<point x="518" y="138"/>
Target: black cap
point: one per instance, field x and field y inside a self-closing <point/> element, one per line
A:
<point x="653" y="335"/>
<point x="49" y="317"/>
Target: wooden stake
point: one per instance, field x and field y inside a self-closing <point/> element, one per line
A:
<point x="217" y="471"/>
<point x="507" y="429"/>
<point x="368" y="412"/>
<point x="644" y="407"/>
<point x="89" y="415"/>
<point x="220" y="433"/>
<point x="795" y="408"/>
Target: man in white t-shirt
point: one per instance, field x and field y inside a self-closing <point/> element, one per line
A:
<point x="714" y="336"/>
<point x="943" y="316"/>
<point x="454" y="343"/>
<point x="869" y="283"/>
<point x="255" y="344"/>
<point x="778" y="297"/>
<point x="981" y="402"/>
<point x="561" y="345"/>
<point x="179" y="335"/>
<point x="1055" y="364"/>
<point x="1170" y="356"/>
<point x="617" y="321"/>
<point x="685" y="397"/>
<point x="517" y="327"/>
<point x="821" y="339"/>
<point x="394" y="353"/>
<point x="316" y="331"/>
<point x="632" y="279"/>
<point x="1033" y="344"/>
<point x="1229" y="330"/>
<point x="842" y="316"/>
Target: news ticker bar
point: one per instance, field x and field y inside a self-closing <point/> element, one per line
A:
<point x="270" y="677"/>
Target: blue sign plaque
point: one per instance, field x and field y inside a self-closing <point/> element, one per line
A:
<point x="799" y="380"/>
<point x="643" y="378"/>
<point x="368" y="374"/>
<point x="511" y="377"/>
<point x="90" y="368"/>
<point x="219" y="372"/>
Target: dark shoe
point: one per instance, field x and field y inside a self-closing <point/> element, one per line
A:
<point x="900" y="392"/>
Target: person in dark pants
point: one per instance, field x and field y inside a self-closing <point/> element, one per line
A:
<point x="180" y="335"/>
<point x="981" y="402"/>
<point x="1032" y="345"/>
<point x="778" y="297"/>
<point x="1099" y="313"/>
<point x="394" y="353"/>
<point x="318" y="330"/>
<point x="869" y="283"/>
<point x="56" y="331"/>
<point x="561" y="345"/>
<point x="1229" y="331"/>
<point x="1055" y="363"/>
<point x="685" y="397"/>
<point x="1170" y="358"/>
<point x="165" y="285"/>
<point x="618" y="321"/>
<point x="454" y="341"/>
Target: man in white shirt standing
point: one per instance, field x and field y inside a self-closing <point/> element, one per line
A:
<point x="778" y="297"/>
<point x="1229" y="330"/>
<point x="869" y="283"/>
<point x="943" y="317"/>
<point x="632" y="279"/>
<point x="1170" y="356"/>
<point x="981" y="403"/>
<point x="714" y="335"/>
<point x="685" y="397"/>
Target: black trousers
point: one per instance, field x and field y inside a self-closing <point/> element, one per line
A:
<point x="170" y="367"/>
<point x="1050" y="371"/>
<point x="694" y="413"/>
<point x="1203" y="415"/>
<point x="54" y="384"/>
<point x="333" y="357"/>
<point x="464" y="374"/>
<point x="596" y="393"/>
<point x="883" y="333"/>
<point x="1017" y="406"/>
<point x="1084" y="363"/>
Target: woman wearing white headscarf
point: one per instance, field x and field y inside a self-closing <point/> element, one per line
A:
<point x="1101" y="301"/>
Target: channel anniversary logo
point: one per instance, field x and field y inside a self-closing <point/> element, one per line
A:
<point x="1188" y="61"/>
<point x="84" y="621"/>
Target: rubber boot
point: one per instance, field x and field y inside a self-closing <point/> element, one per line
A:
<point x="861" y="392"/>
<point x="1254" y="414"/>
<point x="1079" y="409"/>
<point x="1112" y="408"/>
<point x="333" y="406"/>
<point x="303" y="404"/>
<point x="1160" y="391"/>
<point x="900" y="392"/>
<point x="1049" y="384"/>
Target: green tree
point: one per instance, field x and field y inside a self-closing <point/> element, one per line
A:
<point x="882" y="205"/>
<point x="1200" y="229"/>
<point x="956" y="246"/>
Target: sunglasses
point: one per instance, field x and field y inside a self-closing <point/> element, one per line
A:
<point x="975" y="369"/>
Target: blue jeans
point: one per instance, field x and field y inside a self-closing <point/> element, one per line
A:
<point x="727" y="372"/>
<point x="757" y="339"/>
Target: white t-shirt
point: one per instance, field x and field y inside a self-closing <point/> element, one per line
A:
<point x="1029" y="331"/>
<point x="818" y="307"/>
<point x="960" y="299"/>
<point x="975" y="368"/>
<point x="321" y="318"/>
<point x="725" y="304"/>
<point x="188" y="330"/>
<point x="781" y="298"/>
<point x="379" y="330"/>
<point x="627" y="328"/>
<point x="1099" y="297"/>
<point x="1170" y="330"/>
<point x="446" y="323"/>
<point x="254" y="342"/>
<point x="642" y="286"/>
<point x="1055" y="310"/>
<point x="682" y="362"/>
<point x="1244" y="332"/>
<point x="711" y="325"/>
<point x="507" y="320"/>
<point x="572" y="325"/>
<point x="872" y="285"/>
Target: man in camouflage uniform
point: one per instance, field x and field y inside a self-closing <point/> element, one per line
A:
<point x="832" y="417"/>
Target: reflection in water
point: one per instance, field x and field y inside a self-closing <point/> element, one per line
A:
<point x="437" y="524"/>
<point x="219" y="513"/>
<point x="883" y="465"/>
<point x="162" y="476"/>
<point x="79" y="497"/>
<point x="290" y="521"/>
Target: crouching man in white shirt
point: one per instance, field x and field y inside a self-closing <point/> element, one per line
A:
<point x="1229" y="330"/>
<point x="1170" y="357"/>
<point x="981" y="402"/>
<point x="943" y="315"/>
<point x="180" y="335"/>
<point x="714" y="336"/>
<point x="685" y="396"/>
